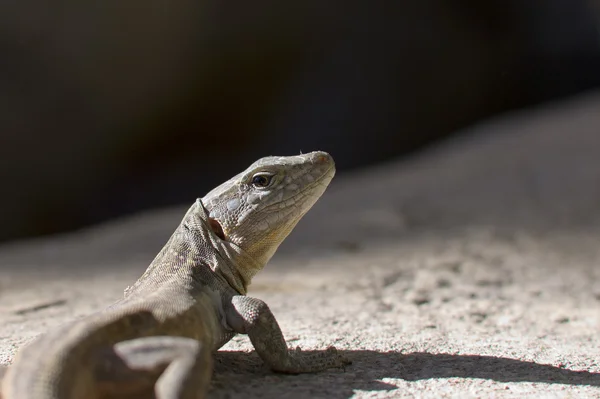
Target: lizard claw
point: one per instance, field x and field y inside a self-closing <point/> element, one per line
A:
<point x="341" y="359"/>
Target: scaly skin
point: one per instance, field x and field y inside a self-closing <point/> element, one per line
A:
<point x="190" y="301"/>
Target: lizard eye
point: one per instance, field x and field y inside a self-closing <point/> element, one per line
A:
<point x="262" y="180"/>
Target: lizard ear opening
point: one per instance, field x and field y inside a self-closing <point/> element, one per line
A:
<point x="216" y="228"/>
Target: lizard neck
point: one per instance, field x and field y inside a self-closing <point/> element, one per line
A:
<point x="193" y="246"/>
<point x="237" y="267"/>
<point x="230" y="261"/>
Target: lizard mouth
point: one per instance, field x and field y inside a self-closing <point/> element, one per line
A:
<point x="216" y="228"/>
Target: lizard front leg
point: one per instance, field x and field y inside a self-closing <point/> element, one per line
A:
<point x="252" y="316"/>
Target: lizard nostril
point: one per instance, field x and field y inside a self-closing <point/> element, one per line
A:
<point x="216" y="228"/>
<point x="322" y="158"/>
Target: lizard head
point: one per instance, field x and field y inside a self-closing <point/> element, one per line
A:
<point x="258" y="208"/>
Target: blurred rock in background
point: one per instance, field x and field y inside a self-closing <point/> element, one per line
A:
<point x="111" y="107"/>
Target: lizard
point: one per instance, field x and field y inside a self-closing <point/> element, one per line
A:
<point x="158" y="340"/>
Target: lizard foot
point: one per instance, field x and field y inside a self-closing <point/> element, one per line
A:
<point x="311" y="362"/>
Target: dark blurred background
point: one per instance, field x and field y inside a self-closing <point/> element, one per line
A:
<point x="112" y="107"/>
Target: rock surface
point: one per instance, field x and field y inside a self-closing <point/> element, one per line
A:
<point x="469" y="271"/>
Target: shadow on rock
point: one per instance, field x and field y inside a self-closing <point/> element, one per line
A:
<point x="244" y="372"/>
<point x="420" y="366"/>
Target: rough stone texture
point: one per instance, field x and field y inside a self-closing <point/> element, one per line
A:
<point x="469" y="271"/>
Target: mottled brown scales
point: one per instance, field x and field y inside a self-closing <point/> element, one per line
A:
<point x="159" y="338"/>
